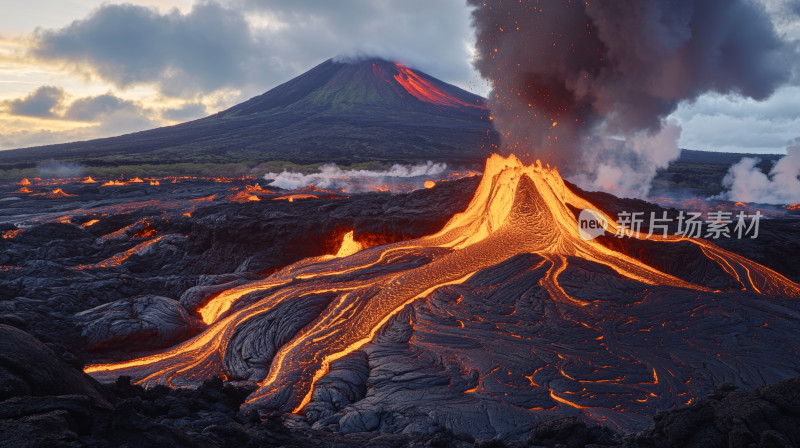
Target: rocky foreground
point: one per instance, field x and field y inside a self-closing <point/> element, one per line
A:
<point x="46" y="401"/>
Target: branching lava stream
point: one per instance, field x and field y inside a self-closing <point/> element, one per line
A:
<point x="516" y="209"/>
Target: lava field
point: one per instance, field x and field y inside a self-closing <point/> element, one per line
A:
<point x="471" y="310"/>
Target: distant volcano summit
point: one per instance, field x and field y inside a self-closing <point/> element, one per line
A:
<point x="343" y="112"/>
<point x="371" y="83"/>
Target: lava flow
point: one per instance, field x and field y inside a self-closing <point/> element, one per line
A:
<point x="516" y="210"/>
<point x="58" y="193"/>
<point x="423" y="90"/>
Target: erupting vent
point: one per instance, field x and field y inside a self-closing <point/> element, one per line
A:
<point x="517" y="209"/>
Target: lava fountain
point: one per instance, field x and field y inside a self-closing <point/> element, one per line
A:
<point x="516" y="209"/>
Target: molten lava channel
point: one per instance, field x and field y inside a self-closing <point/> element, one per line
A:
<point x="516" y="209"/>
<point x="423" y="90"/>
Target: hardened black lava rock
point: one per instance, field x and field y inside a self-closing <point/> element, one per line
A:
<point x="48" y="403"/>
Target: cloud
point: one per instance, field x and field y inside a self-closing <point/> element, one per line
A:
<point x="106" y="115"/>
<point x="734" y="123"/>
<point x="99" y="107"/>
<point x="188" y="111"/>
<point x="42" y="103"/>
<point x="747" y="183"/>
<point x="254" y="45"/>
<point x="128" y="45"/>
<point x="431" y="36"/>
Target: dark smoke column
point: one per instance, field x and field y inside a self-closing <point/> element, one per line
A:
<point x="586" y="85"/>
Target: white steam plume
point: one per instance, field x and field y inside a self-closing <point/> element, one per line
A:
<point x="746" y="183"/>
<point x="626" y="166"/>
<point x="331" y="177"/>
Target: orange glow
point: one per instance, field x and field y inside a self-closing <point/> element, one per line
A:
<point x="114" y="183"/>
<point x="243" y="196"/>
<point x="117" y="259"/>
<point x="740" y="204"/>
<point x="349" y="245"/>
<point x="256" y="189"/>
<point x="155" y="182"/>
<point x="89" y="180"/>
<point x="24" y="182"/>
<point x="313" y="189"/>
<point x="58" y="193"/>
<point x="565" y="401"/>
<point x="136" y="180"/>
<point x="147" y="232"/>
<point x="430" y="184"/>
<point x="294" y="197"/>
<point x="89" y="223"/>
<point x="23" y="190"/>
<point x="516" y="209"/>
<point x="9" y="234"/>
<point x="423" y="90"/>
<point x="794" y="206"/>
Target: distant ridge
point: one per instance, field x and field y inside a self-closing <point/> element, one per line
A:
<point x="343" y="112"/>
<point x="727" y="158"/>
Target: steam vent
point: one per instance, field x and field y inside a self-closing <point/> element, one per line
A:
<point x="487" y="325"/>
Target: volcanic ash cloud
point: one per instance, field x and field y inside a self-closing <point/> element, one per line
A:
<point x="587" y="86"/>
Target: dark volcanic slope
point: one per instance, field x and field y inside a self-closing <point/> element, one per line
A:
<point x="336" y="112"/>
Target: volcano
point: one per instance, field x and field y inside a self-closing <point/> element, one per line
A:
<point x="340" y="111"/>
<point x="503" y="317"/>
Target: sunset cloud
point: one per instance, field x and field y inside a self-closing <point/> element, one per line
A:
<point x="41" y="103"/>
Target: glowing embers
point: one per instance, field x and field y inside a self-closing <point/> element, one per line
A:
<point x="25" y="182"/>
<point x="9" y="234"/>
<point x="423" y="90"/>
<point x="257" y="189"/>
<point x="243" y="196"/>
<point x="114" y="183"/>
<point x="250" y="193"/>
<point x="295" y="197"/>
<point x="89" y="180"/>
<point x="89" y="223"/>
<point x="430" y="184"/>
<point x="58" y="193"/>
<point x="146" y="231"/>
<point x="794" y="207"/>
<point x="23" y="190"/>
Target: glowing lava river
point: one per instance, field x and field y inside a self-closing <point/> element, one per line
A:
<point x="504" y="315"/>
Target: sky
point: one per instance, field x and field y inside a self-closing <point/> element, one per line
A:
<point x="80" y="69"/>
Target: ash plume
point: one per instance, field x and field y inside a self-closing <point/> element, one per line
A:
<point x="587" y="86"/>
<point x="331" y="176"/>
<point x="747" y="183"/>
